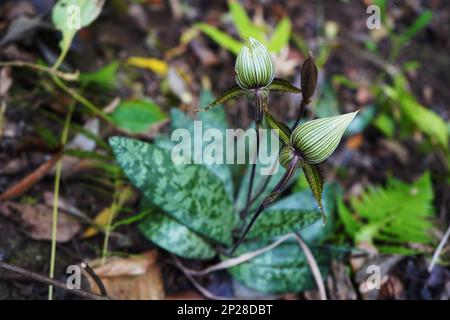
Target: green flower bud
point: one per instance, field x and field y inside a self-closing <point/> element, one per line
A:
<point x="316" y="140"/>
<point x="254" y="67"/>
<point x="286" y="155"/>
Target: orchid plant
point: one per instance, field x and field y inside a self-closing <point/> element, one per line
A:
<point x="305" y="145"/>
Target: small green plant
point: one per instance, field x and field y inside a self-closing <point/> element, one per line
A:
<point x="246" y="28"/>
<point x="392" y="218"/>
<point x="193" y="210"/>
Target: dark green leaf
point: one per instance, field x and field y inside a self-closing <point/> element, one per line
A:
<point x="137" y="115"/>
<point x="315" y="181"/>
<point x="283" y="86"/>
<point x="189" y="193"/>
<point x="283" y="131"/>
<point x="232" y="93"/>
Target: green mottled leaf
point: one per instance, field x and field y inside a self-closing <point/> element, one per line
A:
<point x="221" y="38"/>
<point x="283" y="131"/>
<point x="283" y="269"/>
<point x="137" y="115"/>
<point x="280" y="36"/>
<point x="189" y="193"/>
<point x="232" y="93"/>
<point x="290" y="214"/>
<point x="315" y="182"/>
<point x="214" y="119"/>
<point x="175" y="237"/>
<point x="283" y="86"/>
<point x="66" y="12"/>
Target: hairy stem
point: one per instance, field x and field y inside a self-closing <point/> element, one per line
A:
<point x="279" y="188"/>
<point x="259" y="101"/>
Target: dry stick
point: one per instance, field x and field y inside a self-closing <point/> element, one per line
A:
<point x="96" y="278"/>
<point x="43" y="279"/>
<point x="62" y="75"/>
<point x="240" y="259"/>
<point x="198" y="286"/>
<point x="439" y="249"/>
<point x="312" y="265"/>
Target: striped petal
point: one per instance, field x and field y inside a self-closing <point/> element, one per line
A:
<point x="316" y="140"/>
<point x="254" y="67"/>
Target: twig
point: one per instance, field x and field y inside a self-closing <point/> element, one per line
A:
<point x="62" y="75"/>
<point x="439" y="249"/>
<point x="43" y="279"/>
<point x="240" y="259"/>
<point x="96" y="278"/>
<point x="312" y="265"/>
<point x="197" y="285"/>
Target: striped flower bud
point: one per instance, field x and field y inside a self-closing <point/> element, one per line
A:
<point x="286" y="155"/>
<point x="316" y="140"/>
<point x="254" y="67"/>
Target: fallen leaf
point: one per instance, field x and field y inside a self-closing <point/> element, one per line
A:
<point x="80" y="142"/>
<point x="136" y="277"/>
<point x="30" y="180"/>
<point x="64" y="205"/>
<point x="355" y="142"/>
<point x="36" y="221"/>
<point x="156" y="65"/>
<point x="102" y="219"/>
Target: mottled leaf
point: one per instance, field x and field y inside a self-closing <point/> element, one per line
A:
<point x="283" y="269"/>
<point x="283" y="86"/>
<point x="189" y="193"/>
<point x="175" y="237"/>
<point x="289" y="214"/>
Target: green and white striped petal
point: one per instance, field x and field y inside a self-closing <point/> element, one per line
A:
<point x="254" y="67"/>
<point x="316" y="140"/>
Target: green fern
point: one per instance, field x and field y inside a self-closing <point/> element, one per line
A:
<point x="393" y="217"/>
